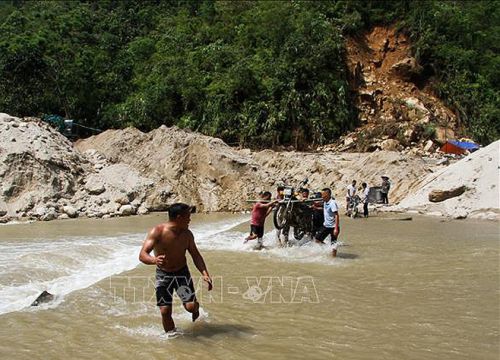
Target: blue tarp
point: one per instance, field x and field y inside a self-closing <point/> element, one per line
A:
<point x="464" y="145"/>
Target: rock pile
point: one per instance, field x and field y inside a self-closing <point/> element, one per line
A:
<point x="397" y="109"/>
<point x="125" y="172"/>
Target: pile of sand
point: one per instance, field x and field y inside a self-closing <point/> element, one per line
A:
<point x="123" y="172"/>
<point x="478" y="173"/>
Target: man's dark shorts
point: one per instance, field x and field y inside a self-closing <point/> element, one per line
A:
<point x="323" y="232"/>
<point x="257" y="230"/>
<point x="167" y="282"/>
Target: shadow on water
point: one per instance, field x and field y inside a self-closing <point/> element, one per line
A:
<point x="210" y="330"/>
<point x="343" y="255"/>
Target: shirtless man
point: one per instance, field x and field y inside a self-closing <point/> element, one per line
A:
<point x="170" y="241"/>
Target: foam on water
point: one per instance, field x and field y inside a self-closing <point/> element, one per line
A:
<point x="109" y="256"/>
<point x="304" y="251"/>
<point x="62" y="266"/>
<point x="180" y="316"/>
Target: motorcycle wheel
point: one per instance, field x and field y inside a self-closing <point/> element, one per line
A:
<point x="298" y="233"/>
<point x="279" y="218"/>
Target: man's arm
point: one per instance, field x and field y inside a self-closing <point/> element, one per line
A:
<point x="268" y="205"/>
<point x="198" y="260"/>
<point x="337" y="219"/>
<point x="147" y="247"/>
<point x="317" y="205"/>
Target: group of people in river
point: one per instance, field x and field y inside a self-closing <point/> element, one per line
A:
<point x="325" y="211"/>
<point x="171" y="240"/>
<point x="325" y="216"/>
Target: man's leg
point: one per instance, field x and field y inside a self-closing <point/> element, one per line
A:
<point x="334" y="242"/>
<point x="285" y="232"/>
<point x="194" y="308"/>
<point x="321" y="235"/>
<point x="185" y="290"/>
<point x="164" y="288"/>
<point x="260" y="244"/>
<point x="365" y="209"/>
<point x="253" y="234"/>
<point x="334" y="251"/>
<point x="166" y="318"/>
<point x="334" y="246"/>
<point x="260" y="234"/>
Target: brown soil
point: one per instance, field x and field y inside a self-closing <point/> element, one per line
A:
<point x="392" y="104"/>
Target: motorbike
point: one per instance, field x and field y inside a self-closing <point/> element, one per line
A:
<point x="353" y="210"/>
<point x="295" y="213"/>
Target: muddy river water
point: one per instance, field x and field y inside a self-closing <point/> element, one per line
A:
<point x="420" y="289"/>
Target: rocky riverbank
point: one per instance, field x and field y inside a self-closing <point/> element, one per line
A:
<point x="126" y="172"/>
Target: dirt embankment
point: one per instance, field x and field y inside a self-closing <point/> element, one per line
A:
<point x="467" y="188"/>
<point x="124" y="172"/>
<point x="397" y="108"/>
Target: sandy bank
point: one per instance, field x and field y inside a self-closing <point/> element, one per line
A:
<point x="125" y="172"/>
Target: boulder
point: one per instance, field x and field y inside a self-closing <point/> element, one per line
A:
<point x="122" y="200"/>
<point x="51" y="214"/>
<point x="443" y="134"/>
<point x="389" y="144"/>
<point x="428" y="145"/>
<point x="44" y="297"/>
<point x="3" y="208"/>
<point x="70" y="211"/>
<point x="418" y="106"/>
<point x="442" y="195"/>
<point x="142" y="210"/>
<point x="407" y="68"/>
<point x="40" y="211"/>
<point x="126" y="210"/>
<point x="158" y="201"/>
<point x="348" y="141"/>
<point x="94" y="187"/>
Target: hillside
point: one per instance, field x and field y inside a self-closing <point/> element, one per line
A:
<point x="259" y="74"/>
<point x="397" y="108"/>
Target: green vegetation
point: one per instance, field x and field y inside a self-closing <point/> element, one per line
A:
<point x="259" y="73"/>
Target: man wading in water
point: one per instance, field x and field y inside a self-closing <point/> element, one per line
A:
<point x="170" y="242"/>
<point x="331" y="223"/>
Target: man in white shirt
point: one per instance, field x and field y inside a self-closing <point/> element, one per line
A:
<point x="331" y="225"/>
<point x="366" y="191"/>
<point x="351" y="191"/>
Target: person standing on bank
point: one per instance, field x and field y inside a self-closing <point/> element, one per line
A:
<point x="366" y="191"/>
<point x="351" y="192"/>
<point x="386" y="186"/>
<point x="331" y="224"/>
<point x="170" y="241"/>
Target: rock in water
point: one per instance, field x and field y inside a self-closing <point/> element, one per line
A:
<point x="44" y="297"/>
